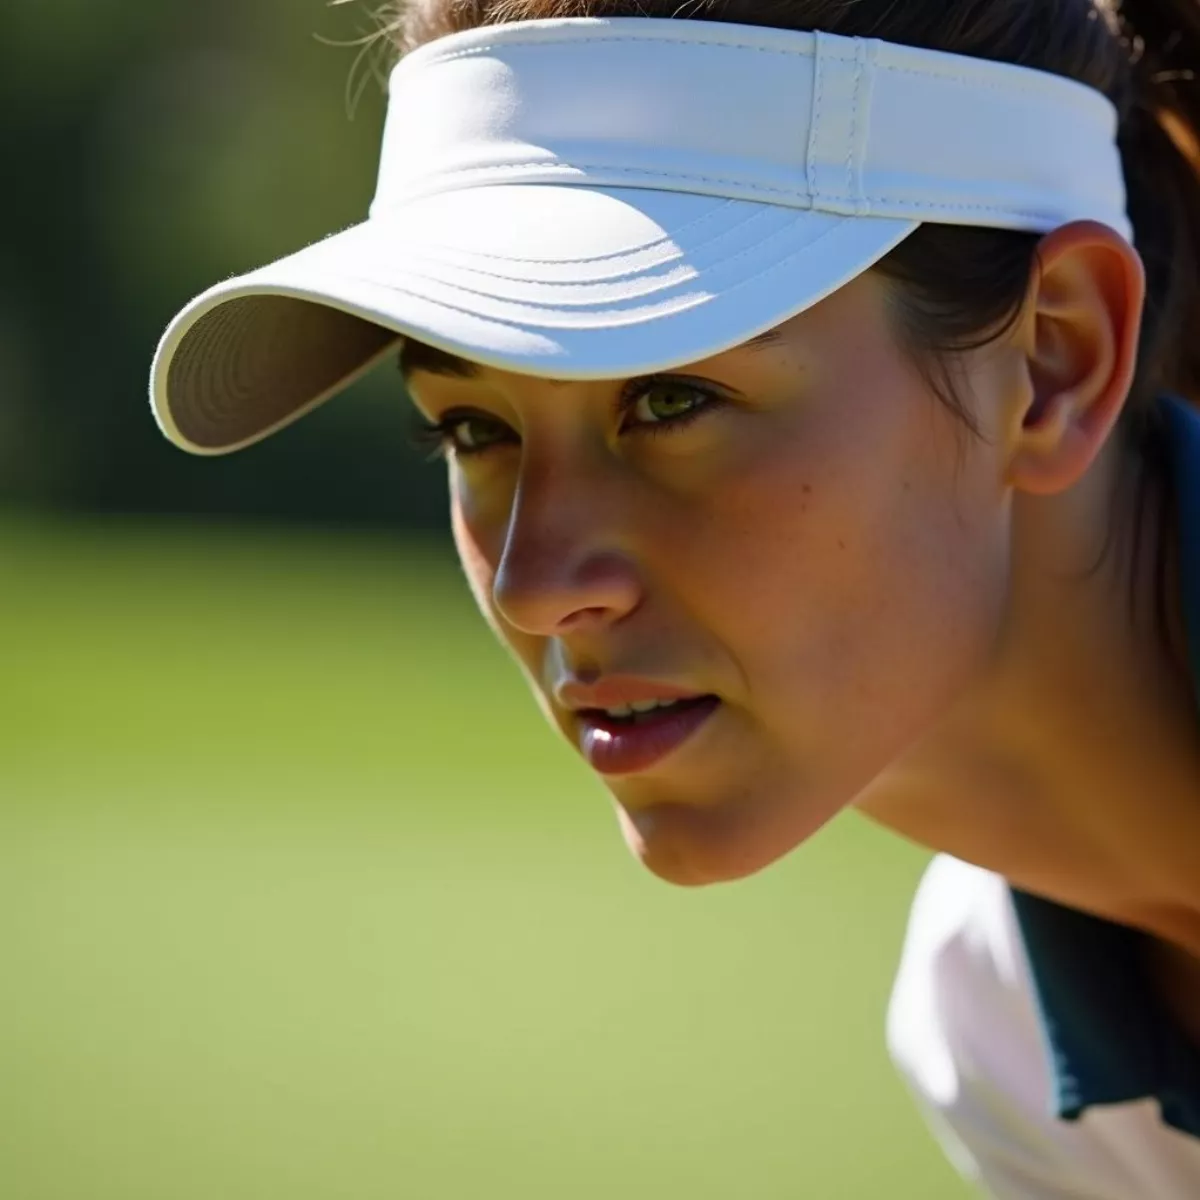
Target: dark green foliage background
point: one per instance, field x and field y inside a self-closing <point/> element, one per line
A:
<point x="152" y="148"/>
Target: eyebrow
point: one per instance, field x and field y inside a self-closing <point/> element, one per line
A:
<point x="419" y="356"/>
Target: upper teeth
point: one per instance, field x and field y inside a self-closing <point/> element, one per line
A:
<point x="627" y="710"/>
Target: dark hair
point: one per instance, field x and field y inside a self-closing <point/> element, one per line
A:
<point x="958" y="286"/>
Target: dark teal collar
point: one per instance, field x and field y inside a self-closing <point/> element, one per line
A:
<point x="1108" y="1037"/>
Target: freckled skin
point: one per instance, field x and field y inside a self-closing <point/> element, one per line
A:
<point x="827" y="552"/>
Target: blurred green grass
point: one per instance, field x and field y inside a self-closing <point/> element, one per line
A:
<point x="299" y="899"/>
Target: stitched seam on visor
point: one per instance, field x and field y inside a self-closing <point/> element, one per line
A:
<point x="417" y="254"/>
<point x="701" y="277"/>
<point x="476" y="51"/>
<point x="851" y="141"/>
<point x="644" y="248"/>
<point x="997" y="210"/>
<point x="1030" y="80"/>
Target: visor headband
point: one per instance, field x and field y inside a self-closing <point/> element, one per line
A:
<point x="851" y="126"/>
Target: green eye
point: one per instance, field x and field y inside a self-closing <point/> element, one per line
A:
<point x="668" y="401"/>
<point x="469" y="434"/>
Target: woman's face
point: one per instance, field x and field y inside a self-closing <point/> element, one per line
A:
<point x="794" y="539"/>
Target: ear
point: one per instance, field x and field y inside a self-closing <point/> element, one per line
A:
<point x="1080" y="341"/>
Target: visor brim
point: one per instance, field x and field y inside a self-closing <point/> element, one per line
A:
<point x="564" y="282"/>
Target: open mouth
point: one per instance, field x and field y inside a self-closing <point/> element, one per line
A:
<point x="644" y="714"/>
<point x="617" y="741"/>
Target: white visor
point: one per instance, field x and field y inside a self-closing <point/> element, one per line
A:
<point x="588" y="199"/>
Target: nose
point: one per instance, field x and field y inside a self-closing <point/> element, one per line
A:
<point x="566" y="564"/>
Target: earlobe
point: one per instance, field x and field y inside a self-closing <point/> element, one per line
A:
<point x="1056" y="447"/>
<point x="1081" y="332"/>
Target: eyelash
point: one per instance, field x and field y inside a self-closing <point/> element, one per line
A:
<point x="436" y="438"/>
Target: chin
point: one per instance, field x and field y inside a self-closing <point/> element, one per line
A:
<point x="684" y="871"/>
<point x="694" y="847"/>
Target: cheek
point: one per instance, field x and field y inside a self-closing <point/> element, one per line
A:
<point x="860" y="577"/>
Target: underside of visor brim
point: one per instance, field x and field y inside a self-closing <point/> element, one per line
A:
<point x="253" y="354"/>
<point x="256" y="363"/>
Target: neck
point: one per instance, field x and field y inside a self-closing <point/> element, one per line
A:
<point x="1071" y="766"/>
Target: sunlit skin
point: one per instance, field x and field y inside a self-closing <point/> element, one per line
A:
<point x="896" y="614"/>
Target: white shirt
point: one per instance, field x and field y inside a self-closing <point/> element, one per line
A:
<point x="963" y="1029"/>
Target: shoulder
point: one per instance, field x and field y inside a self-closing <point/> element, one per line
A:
<point x="964" y="1031"/>
<point x="961" y="1006"/>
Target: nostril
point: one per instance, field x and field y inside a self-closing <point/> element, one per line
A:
<point x="584" y="616"/>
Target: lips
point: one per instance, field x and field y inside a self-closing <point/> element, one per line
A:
<point x="622" y="745"/>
